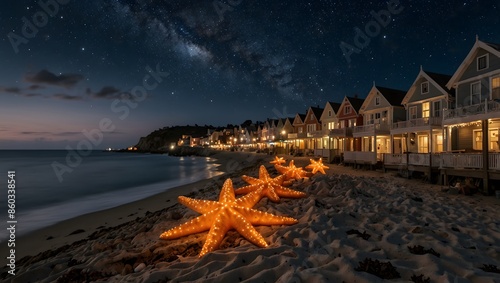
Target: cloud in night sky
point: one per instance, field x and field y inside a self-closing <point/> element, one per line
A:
<point x="46" y="77"/>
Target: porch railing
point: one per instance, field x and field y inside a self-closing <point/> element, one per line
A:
<point x="469" y="110"/>
<point x="428" y="121"/>
<point x="494" y="161"/>
<point x="360" y="157"/>
<point x="372" y="128"/>
<point x="462" y="160"/>
<point x="344" y="132"/>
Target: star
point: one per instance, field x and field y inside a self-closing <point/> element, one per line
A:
<point x="291" y="171"/>
<point x="316" y="166"/>
<point x="220" y="216"/>
<point x="269" y="187"/>
<point x="278" y="160"/>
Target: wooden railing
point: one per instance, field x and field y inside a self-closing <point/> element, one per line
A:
<point x="481" y="108"/>
<point x="360" y="157"/>
<point x="394" y="159"/>
<point x="494" y="161"/>
<point x="372" y="128"/>
<point x="462" y="160"/>
<point x="344" y="132"/>
<point x="296" y="135"/>
<point x="429" y="121"/>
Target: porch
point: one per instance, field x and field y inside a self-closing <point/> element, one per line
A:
<point x="470" y="113"/>
<point x="415" y="125"/>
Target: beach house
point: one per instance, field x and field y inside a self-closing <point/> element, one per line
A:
<point x="314" y="135"/>
<point x="349" y="117"/>
<point x="472" y="123"/>
<point x="329" y="120"/>
<point x="296" y="139"/>
<point x="379" y="110"/>
<point x="418" y="139"/>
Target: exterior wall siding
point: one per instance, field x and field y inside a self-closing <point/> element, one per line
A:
<point x="418" y="96"/>
<point x="471" y="71"/>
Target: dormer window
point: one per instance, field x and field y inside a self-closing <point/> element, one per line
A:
<point x="482" y="62"/>
<point x="347" y="109"/>
<point x="377" y="100"/>
<point x="425" y="87"/>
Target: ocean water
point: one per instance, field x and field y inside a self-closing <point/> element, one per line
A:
<point x="102" y="180"/>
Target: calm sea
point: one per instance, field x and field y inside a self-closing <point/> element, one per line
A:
<point x="102" y="180"/>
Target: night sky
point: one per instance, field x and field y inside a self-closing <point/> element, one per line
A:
<point x="143" y="65"/>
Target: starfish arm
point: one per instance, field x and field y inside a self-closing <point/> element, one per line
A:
<point x="271" y="194"/>
<point x="263" y="174"/>
<point x="250" y="199"/>
<point x="257" y="217"/>
<point x="200" y="206"/>
<point x="250" y="180"/>
<point x="279" y="180"/>
<point x="247" y="189"/>
<point x="199" y="224"/>
<point x="245" y="228"/>
<point x="281" y="169"/>
<point x="289" y="193"/>
<point x="221" y="225"/>
<point x="227" y="192"/>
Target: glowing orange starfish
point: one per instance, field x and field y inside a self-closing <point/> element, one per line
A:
<point x="220" y="216"/>
<point x="291" y="171"/>
<point x="278" y="160"/>
<point x="269" y="187"/>
<point x="316" y="166"/>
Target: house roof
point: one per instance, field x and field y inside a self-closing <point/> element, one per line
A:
<point x="335" y="106"/>
<point x="492" y="48"/>
<point x="356" y="103"/>
<point x="393" y="96"/>
<point x="317" y="112"/>
<point x="493" y="45"/>
<point x="441" y="80"/>
<point x="438" y="80"/>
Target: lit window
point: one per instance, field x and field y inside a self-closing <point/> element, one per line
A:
<point x="425" y="87"/>
<point x="426" y="109"/>
<point x="495" y="88"/>
<point x="482" y="62"/>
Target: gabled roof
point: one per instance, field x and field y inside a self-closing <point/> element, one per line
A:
<point x="393" y="96"/>
<point x="302" y="117"/>
<point x="335" y="106"/>
<point x="356" y="102"/>
<point x="317" y="112"/>
<point x="438" y="80"/>
<point x="493" y="48"/>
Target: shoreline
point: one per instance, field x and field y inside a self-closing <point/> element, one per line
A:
<point x="78" y="228"/>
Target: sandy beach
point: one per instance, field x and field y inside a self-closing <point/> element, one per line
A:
<point x="353" y="226"/>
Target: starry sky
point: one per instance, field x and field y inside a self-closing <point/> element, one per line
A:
<point x="73" y="67"/>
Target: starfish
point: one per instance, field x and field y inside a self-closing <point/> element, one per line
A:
<point x="291" y="171"/>
<point x="278" y="160"/>
<point x="316" y="166"/>
<point x="220" y="216"/>
<point x="269" y="187"/>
